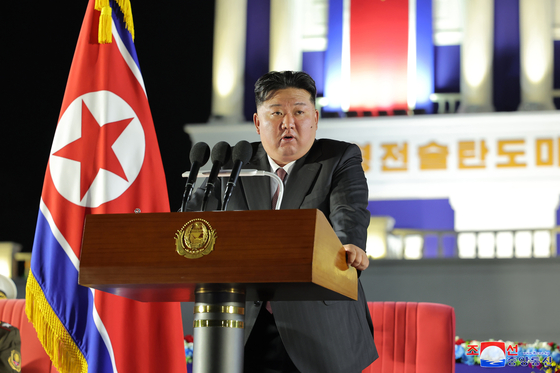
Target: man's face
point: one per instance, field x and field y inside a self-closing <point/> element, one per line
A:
<point x="287" y="123"/>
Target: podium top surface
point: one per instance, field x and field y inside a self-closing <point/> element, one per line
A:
<point x="270" y="254"/>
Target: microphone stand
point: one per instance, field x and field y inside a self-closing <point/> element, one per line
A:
<point x="249" y="172"/>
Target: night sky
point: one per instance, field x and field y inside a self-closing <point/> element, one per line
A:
<point x="174" y="46"/>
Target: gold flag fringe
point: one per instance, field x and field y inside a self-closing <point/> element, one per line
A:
<point x="54" y="337"/>
<point x="126" y="10"/>
<point x="105" y="20"/>
<point x="105" y="34"/>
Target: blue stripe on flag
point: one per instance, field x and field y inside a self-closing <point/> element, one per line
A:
<point x="313" y="63"/>
<point x="333" y="56"/>
<point x="424" y="55"/>
<point x="125" y="35"/>
<point x="507" y="56"/>
<point x="257" y="47"/>
<point x="58" y="279"/>
<point x="447" y="68"/>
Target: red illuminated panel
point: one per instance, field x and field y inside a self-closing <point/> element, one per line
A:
<point x="378" y="54"/>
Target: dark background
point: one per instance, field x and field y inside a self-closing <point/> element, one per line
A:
<point x="174" y="46"/>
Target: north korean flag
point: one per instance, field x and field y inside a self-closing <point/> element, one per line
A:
<point x="104" y="159"/>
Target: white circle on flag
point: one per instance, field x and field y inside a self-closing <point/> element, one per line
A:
<point x="129" y="148"/>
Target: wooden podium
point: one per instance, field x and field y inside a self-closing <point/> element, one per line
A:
<point x="256" y="256"/>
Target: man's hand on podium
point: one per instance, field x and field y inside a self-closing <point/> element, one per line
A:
<point x="356" y="257"/>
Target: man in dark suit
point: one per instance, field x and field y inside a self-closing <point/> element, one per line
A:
<point x="306" y="336"/>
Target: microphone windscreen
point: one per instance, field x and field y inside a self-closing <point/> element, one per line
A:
<point x="221" y="152"/>
<point x="242" y="151"/>
<point x="200" y="153"/>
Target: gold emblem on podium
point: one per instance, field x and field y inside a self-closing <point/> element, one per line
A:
<point x="195" y="239"/>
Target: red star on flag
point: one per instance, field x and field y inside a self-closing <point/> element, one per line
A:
<point x="94" y="149"/>
<point x="104" y="160"/>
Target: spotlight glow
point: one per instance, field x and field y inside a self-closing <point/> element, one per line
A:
<point x="523" y="244"/>
<point x="375" y="246"/>
<point x="225" y="78"/>
<point x="467" y="245"/>
<point x="486" y="243"/>
<point x="413" y="246"/>
<point x="476" y="68"/>
<point x="504" y="245"/>
<point x="536" y="66"/>
<point x="394" y="247"/>
<point x="541" y="242"/>
<point x="5" y="268"/>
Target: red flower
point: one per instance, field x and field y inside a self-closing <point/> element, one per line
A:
<point x="459" y="341"/>
<point x="189" y="338"/>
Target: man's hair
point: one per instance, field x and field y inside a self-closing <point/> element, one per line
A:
<point x="269" y="83"/>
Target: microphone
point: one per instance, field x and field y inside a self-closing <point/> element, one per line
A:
<point x="241" y="154"/>
<point x="221" y="154"/>
<point x="199" y="155"/>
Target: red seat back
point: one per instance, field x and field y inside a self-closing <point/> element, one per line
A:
<point x="413" y="337"/>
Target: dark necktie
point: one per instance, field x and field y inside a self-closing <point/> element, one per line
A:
<point x="282" y="174"/>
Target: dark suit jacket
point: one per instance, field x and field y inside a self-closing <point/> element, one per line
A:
<point x="330" y="336"/>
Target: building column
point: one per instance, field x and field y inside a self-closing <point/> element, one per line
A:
<point x="476" y="56"/>
<point x="228" y="60"/>
<point x="286" y="21"/>
<point x="535" y="29"/>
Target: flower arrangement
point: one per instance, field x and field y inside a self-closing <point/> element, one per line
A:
<point x="188" y="341"/>
<point x="544" y="356"/>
